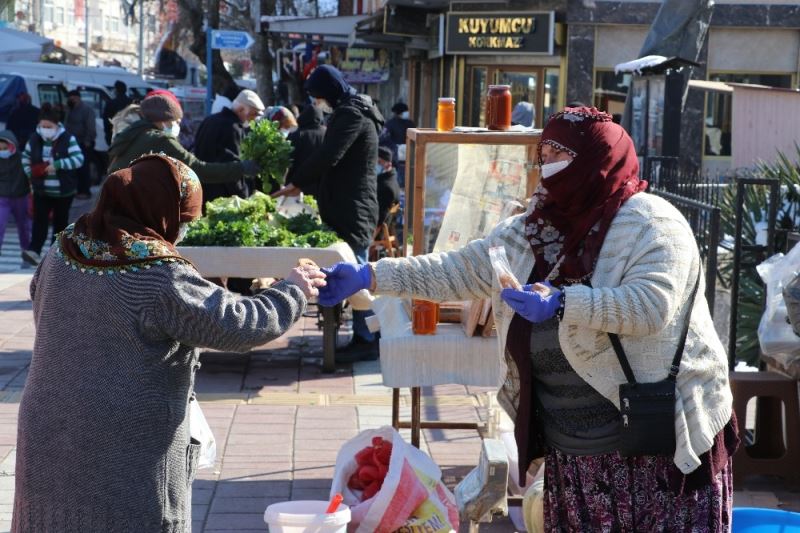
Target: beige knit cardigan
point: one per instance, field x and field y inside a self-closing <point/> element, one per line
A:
<point x="641" y="286"/>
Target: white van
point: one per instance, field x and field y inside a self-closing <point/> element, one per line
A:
<point x="48" y="82"/>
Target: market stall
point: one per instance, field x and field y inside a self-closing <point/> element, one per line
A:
<point x="459" y="185"/>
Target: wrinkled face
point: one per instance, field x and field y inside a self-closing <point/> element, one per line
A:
<point x="552" y="155"/>
<point x="246" y="113"/>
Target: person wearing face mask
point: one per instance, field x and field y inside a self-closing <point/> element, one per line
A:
<point x="344" y="169"/>
<point x="219" y="139"/>
<point x="124" y="361"/>
<point x="51" y="160"/>
<point x="388" y="188"/>
<point x="81" y="123"/>
<point x="306" y="140"/>
<point x="611" y="259"/>
<point x="157" y="132"/>
<point x="14" y="190"/>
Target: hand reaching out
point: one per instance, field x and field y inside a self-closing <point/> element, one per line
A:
<point x="308" y="278"/>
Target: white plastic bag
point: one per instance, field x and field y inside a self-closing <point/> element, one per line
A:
<point x="774" y="331"/>
<point x="412" y="496"/>
<point x="201" y="432"/>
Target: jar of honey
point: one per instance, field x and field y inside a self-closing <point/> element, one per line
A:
<point x="426" y="316"/>
<point x="446" y="114"/>
<point x="498" y="107"/>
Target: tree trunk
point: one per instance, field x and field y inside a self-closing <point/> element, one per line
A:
<point x="222" y="81"/>
<point x="260" y="54"/>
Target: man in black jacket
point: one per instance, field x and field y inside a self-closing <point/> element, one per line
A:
<point x="114" y="106"/>
<point x="306" y="140"/>
<point x="344" y="166"/>
<point x="388" y="188"/>
<point x="219" y="139"/>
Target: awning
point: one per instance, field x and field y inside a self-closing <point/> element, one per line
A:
<point x="332" y="29"/>
<point x="714" y="86"/>
<point x="18" y="45"/>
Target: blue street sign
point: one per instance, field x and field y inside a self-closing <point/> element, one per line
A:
<point x="237" y="40"/>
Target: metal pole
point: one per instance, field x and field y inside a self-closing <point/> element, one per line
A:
<point x="209" y="70"/>
<point x="141" y="37"/>
<point x="85" y="32"/>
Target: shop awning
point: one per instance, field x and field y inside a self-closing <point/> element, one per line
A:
<point x="715" y="86"/>
<point x="18" y="45"/>
<point x="331" y="29"/>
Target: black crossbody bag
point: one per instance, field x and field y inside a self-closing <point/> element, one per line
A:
<point x="648" y="409"/>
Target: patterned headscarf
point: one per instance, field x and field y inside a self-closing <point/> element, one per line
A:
<point x="572" y="210"/>
<point x="137" y="219"/>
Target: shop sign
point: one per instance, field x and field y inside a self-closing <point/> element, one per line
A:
<point x="365" y="65"/>
<point x="506" y="33"/>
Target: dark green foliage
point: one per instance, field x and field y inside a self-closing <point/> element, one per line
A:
<point x="267" y="146"/>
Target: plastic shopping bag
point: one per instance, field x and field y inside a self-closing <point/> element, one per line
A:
<point x="200" y="431"/>
<point x="775" y="333"/>
<point x="412" y="498"/>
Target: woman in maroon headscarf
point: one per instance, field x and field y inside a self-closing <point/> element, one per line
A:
<point x="104" y="442"/>
<point x="617" y="260"/>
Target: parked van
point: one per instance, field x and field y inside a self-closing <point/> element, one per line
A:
<point x="48" y="82"/>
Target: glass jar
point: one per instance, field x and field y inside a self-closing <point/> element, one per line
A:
<point x="498" y="107"/>
<point x="426" y="316"/>
<point x="446" y="114"/>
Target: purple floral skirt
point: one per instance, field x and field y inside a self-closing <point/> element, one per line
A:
<point x="611" y="493"/>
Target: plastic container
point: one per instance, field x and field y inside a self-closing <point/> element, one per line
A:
<point x="426" y="316"/>
<point x="754" y="520"/>
<point x="306" y="516"/>
<point x="498" y="108"/>
<point x="446" y="114"/>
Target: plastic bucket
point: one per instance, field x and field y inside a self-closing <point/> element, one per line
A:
<point x="306" y="516"/>
<point x="754" y="520"/>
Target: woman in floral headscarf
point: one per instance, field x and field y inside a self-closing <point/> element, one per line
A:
<point x="104" y="442"/>
<point x="617" y="260"/>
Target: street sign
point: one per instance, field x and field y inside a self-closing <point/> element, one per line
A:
<point x="237" y="40"/>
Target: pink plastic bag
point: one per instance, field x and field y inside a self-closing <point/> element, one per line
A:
<point x="412" y="494"/>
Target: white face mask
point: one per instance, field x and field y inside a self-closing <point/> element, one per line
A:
<point x="379" y="169"/>
<point x="323" y="105"/>
<point x="47" y="133"/>
<point x="549" y="169"/>
<point x="173" y="130"/>
<point x="404" y="115"/>
<point x="183" y="229"/>
<point x="5" y="154"/>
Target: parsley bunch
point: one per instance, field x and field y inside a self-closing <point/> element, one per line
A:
<point x="266" y="145"/>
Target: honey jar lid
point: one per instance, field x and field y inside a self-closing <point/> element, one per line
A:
<point x="447" y="99"/>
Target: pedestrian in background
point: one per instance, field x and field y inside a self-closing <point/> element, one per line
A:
<point x="51" y="160"/>
<point x="157" y="132"/>
<point x="388" y="188"/>
<point x="286" y="120"/>
<point x="306" y="140"/>
<point x="114" y="106"/>
<point x="394" y="136"/>
<point x="219" y="140"/>
<point x="104" y="441"/>
<point x="81" y="123"/>
<point x="23" y="119"/>
<point x="344" y="168"/>
<point x="14" y="190"/>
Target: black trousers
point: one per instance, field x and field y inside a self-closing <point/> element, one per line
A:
<point x="85" y="172"/>
<point x="42" y="207"/>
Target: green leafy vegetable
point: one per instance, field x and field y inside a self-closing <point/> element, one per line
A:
<point x="253" y="222"/>
<point x="265" y="145"/>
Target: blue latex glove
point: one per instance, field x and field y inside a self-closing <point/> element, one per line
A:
<point x="343" y="280"/>
<point x="531" y="305"/>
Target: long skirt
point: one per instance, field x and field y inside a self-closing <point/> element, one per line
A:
<point x="611" y="493"/>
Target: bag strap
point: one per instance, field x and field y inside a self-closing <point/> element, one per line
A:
<point x="676" y="360"/>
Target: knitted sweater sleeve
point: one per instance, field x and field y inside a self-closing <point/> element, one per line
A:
<point x="198" y="313"/>
<point x="464" y="274"/>
<point x="655" y="282"/>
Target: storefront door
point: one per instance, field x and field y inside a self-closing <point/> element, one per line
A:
<point x="536" y="85"/>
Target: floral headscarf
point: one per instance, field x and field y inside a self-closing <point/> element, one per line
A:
<point x="137" y="219"/>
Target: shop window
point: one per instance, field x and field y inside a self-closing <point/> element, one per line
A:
<point x="717" y="137"/>
<point x="478" y="87"/>
<point x="551" y="89"/>
<point x="610" y="91"/>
